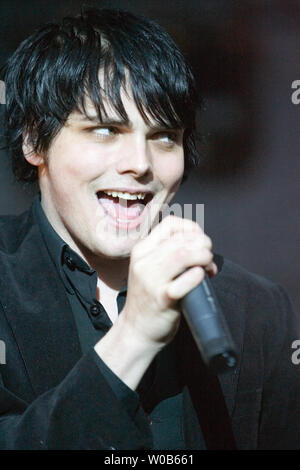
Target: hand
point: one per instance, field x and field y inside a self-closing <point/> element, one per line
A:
<point x="165" y="266"/>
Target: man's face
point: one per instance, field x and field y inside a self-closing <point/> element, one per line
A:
<point x="88" y="159"/>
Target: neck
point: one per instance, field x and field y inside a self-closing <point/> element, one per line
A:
<point x="112" y="273"/>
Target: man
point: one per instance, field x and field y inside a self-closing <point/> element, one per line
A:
<point x="101" y="109"/>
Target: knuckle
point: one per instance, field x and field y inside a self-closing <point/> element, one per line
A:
<point x="208" y="255"/>
<point x="204" y="239"/>
<point x="137" y="268"/>
<point x="173" y="218"/>
<point x="137" y="250"/>
<point x="163" y="296"/>
<point x="168" y="295"/>
<point x="181" y="253"/>
<point x="198" y="228"/>
<point x="133" y="255"/>
<point x="170" y="219"/>
<point x="208" y="242"/>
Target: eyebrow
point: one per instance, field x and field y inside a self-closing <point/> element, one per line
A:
<point x="105" y="121"/>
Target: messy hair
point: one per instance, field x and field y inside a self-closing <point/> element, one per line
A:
<point x="54" y="70"/>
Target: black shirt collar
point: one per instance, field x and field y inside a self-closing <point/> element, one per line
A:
<point x="59" y="251"/>
<point x="70" y="266"/>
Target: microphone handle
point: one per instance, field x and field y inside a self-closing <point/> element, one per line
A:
<point x="208" y="327"/>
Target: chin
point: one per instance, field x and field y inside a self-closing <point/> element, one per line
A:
<point x="115" y="250"/>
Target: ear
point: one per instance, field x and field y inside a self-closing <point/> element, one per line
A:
<point x="33" y="157"/>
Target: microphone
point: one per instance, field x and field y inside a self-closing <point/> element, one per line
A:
<point x="208" y="327"/>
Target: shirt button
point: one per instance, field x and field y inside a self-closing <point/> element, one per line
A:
<point x="69" y="262"/>
<point x="95" y="310"/>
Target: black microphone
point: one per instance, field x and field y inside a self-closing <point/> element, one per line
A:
<point x="208" y="327"/>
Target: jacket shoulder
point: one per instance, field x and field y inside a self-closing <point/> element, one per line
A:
<point x="249" y="291"/>
<point x="253" y="296"/>
<point x="236" y="279"/>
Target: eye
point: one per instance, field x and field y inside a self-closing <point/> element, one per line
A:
<point x="167" y="138"/>
<point x="104" y="132"/>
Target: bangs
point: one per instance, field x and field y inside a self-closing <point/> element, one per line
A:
<point x="95" y="56"/>
<point x="161" y="95"/>
<point x="153" y="105"/>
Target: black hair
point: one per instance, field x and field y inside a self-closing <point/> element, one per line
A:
<point x="53" y="70"/>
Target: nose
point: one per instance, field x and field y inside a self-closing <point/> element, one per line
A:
<point x="135" y="158"/>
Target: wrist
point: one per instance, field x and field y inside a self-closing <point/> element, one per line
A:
<point x="125" y="352"/>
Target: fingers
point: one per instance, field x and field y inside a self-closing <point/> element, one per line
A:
<point x="183" y="284"/>
<point x="172" y="260"/>
<point x="171" y="229"/>
<point x="211" y="269"/>
<point x="176" y="258"/>
<point x="172" y="225"/>
<point x="188" y="280"/>
<point x="175" y="245"/>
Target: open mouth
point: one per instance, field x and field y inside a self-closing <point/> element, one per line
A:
<point x="122" y="206"/>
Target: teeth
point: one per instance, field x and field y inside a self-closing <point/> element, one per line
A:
<point x="125" y="195"/>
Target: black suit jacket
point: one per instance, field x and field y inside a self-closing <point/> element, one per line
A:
<point x="53" y="397"/>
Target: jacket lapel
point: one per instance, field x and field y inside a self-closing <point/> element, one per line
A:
<point x="214" y="396"/>
<point x="232" y="313"/>
<point x="38" y="309"/>
<point x="233" y="309"/>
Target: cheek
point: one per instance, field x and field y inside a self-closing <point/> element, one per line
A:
<point x="75" y="163"/>
<point x="170" y="170"/>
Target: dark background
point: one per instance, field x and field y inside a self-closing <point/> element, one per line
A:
<point x="245" y="55"/>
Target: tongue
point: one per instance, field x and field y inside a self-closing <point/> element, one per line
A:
<point x="121" y="208"/>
